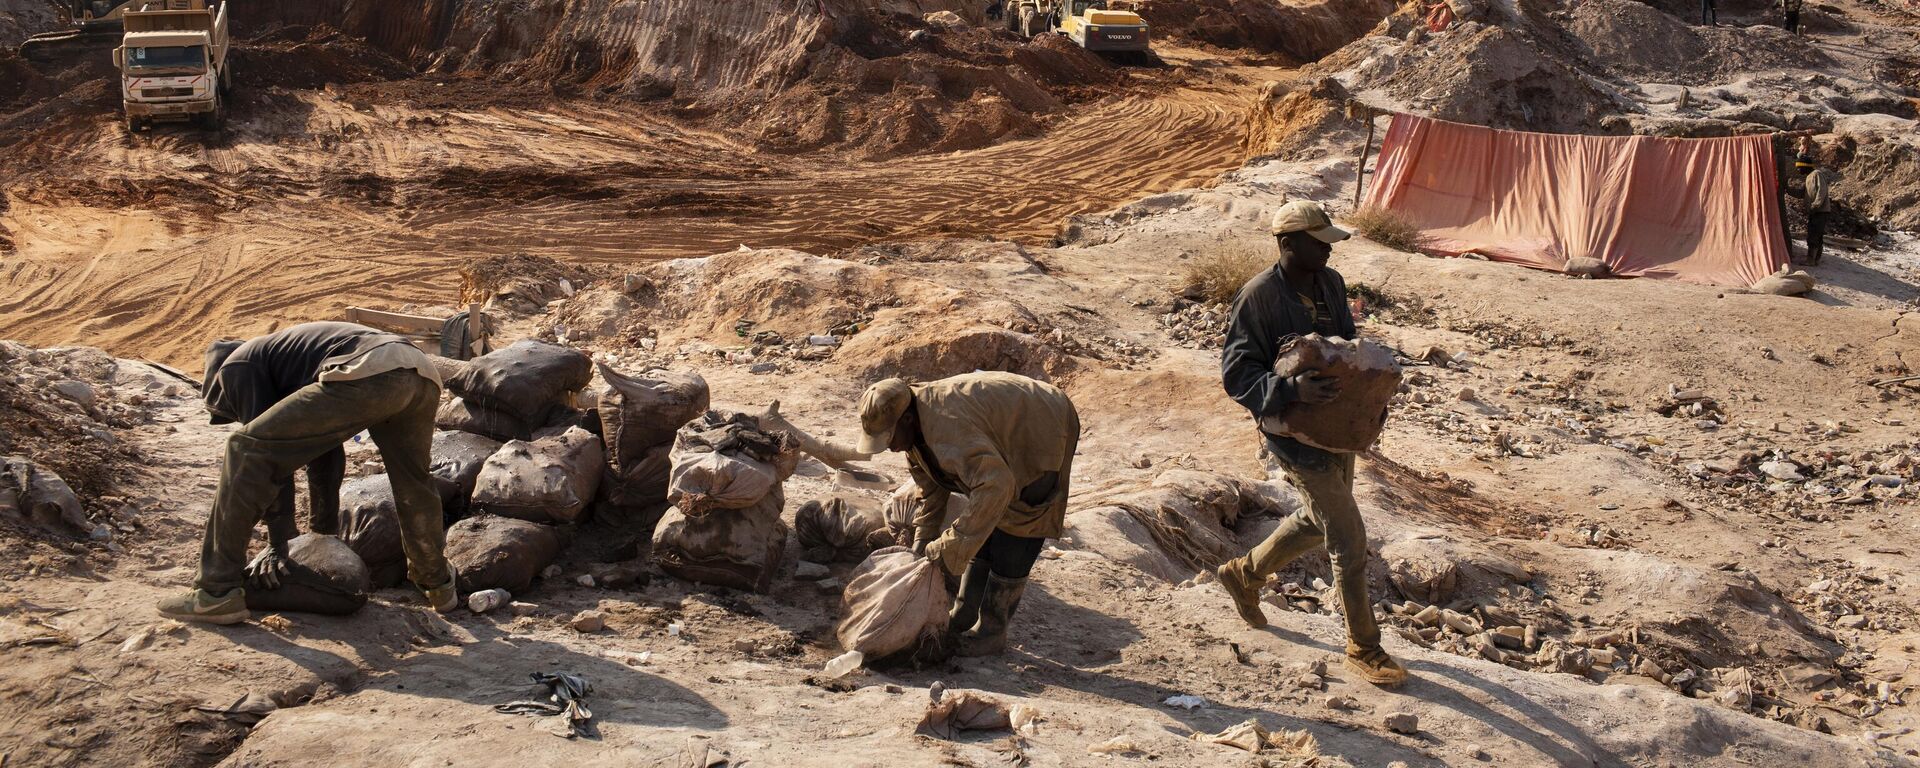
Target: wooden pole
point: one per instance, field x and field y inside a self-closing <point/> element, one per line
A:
<point x="1360" y="173"/>
<point x="476" y="339"/>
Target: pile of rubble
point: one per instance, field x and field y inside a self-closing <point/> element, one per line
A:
<point x="59" y="412"/>
<point x="1196" y="325"/>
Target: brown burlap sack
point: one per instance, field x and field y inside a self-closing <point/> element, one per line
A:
<point x="457" y="459"/>
<point x="549" y="480"/>
<point x="833" y="532"/>
<point x="324" y="576"/>
<point x="1368" y="376"/>
<point x="893" y="601"/>
<point x="370" y="525"/>
<point x="736" y="548"/>
<point x="641" y="413"/>
<point x="489" y="552"/>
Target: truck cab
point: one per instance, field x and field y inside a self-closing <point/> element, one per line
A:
<point x="173" y="63"/>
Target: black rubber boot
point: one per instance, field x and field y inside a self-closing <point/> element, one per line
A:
<point x="990" y="637"/>
<point x="966" y="599"/>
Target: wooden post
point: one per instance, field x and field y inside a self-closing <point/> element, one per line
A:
<point x="1360" y="173"/>
<point x="476" y="334"/>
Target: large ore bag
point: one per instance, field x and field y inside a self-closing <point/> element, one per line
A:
<point x="736" y="548"/>
<point x="549" y="480"/>
<point x="641" y="413"/>
<point x="323" y="576"/>
<point x="1352" y="421"/>
<point x="893" y="601"/>
<point x="370" y="525"/>
<point x="489" y="552"/>
<point x="524" y="380"/>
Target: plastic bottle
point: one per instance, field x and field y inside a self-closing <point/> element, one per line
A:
<point x="845" y="663"/>
<point x="487" y="600"/>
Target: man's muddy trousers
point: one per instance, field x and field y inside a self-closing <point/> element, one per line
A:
<point x="395" y="408"/>
<point x="1332" y="518"/>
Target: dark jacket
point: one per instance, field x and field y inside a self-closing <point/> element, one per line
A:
<point x="265" y="370"/>
<point x="1264" y="315"/>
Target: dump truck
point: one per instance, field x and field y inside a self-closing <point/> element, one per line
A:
<point x="173" y="62"/>
<point x="1090" y="24"/>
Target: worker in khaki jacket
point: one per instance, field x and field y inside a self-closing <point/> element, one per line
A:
<point x="1299" y="296"/>
<point x="1004" y="441"/>
<point x="298" y="394"/>
<point x="1819" y="195"/>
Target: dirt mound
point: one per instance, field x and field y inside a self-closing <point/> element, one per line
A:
<point x="1289" y="123"/>
<point x="20" y="19"/>
<point x="311" y="57"/>
<point x="1880" y="178"/>
<point x="1484" y="74"/>
<point x="1634" y="39"/>
<point x="57" y="409"/>
<point x="1298" y="33"/>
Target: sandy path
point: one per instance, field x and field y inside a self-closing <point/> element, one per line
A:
<point x="150" y="246"/>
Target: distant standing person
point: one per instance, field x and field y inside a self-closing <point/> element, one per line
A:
<point x="1298" y="296"/>
<point x="1709" y="15"/>
<point x="1819" y="195"/>
<point x="298" y="394"/>
<point x="1790" y="15"/>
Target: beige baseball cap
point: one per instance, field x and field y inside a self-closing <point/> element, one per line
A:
<point x="880" y="409"/>
<point x="1309" y="217"/>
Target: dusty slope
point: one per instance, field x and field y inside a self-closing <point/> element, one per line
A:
<point x="1711" y="572"/>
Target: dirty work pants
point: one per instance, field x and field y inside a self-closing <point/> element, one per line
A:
<point x="1709" y="15"/>
<point x="1330" y="517"/>
<point x="1008" y="556"/>
<point x="1816" y="236"/>
<point x="395" y="408"/>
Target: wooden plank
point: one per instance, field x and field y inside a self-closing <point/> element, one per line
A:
<point x="395" y="320"/>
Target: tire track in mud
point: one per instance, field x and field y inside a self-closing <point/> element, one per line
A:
<point x="268" y="228"/>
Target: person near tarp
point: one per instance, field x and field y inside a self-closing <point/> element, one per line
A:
<point x="1004" y="441"/>
<point x="1818" y="191"/>
<point x="1298" y="296"/>
<point x="1790" y="15"/>
<point x="298" y="394"/>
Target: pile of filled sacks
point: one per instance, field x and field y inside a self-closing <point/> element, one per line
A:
<point x="520" y="463"/>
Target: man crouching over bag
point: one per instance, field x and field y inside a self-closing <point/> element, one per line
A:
<point x="1004" y="441"/>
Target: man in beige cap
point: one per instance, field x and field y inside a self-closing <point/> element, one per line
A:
<point x="1298" y="296"/>
<point x="1004" y="441"/>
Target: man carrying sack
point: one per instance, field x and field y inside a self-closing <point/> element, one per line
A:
<point x="298" y="394"/>
<point x="1300" y="296"/>
<point x="1004" y="441"/>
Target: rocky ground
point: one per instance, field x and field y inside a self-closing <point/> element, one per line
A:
<point x="1615" y="522"/>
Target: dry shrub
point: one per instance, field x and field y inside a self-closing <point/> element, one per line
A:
<point x="1387" y="228"/>
<point x="1217" y="275"/>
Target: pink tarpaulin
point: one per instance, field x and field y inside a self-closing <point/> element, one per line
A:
<point x="1698" y="210"/>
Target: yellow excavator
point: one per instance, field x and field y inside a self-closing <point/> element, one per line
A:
<point x="1090" y="24"/>
<point x="95" y="25"/>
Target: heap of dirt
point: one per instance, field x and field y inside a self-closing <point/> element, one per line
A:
<point x="1292" y="123"/>
<point x="53" y="411"/>
<point x="895" y="87"/>
<point x="1493" y="74"/>
<point x="312" y="57"/>
<point x="848" y="73"/>
<point x="1298" y="33"/>
<point x="1625" y="37"/>
<point x="20" y="19"/>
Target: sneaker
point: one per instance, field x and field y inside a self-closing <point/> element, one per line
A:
<point x="202" y="607"/>
<point x="443" y="598"/>
<point x="1246" y="595"/>
<point x="1376" y="667"/>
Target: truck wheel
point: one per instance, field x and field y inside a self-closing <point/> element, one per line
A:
<point x="133" y="124"/>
